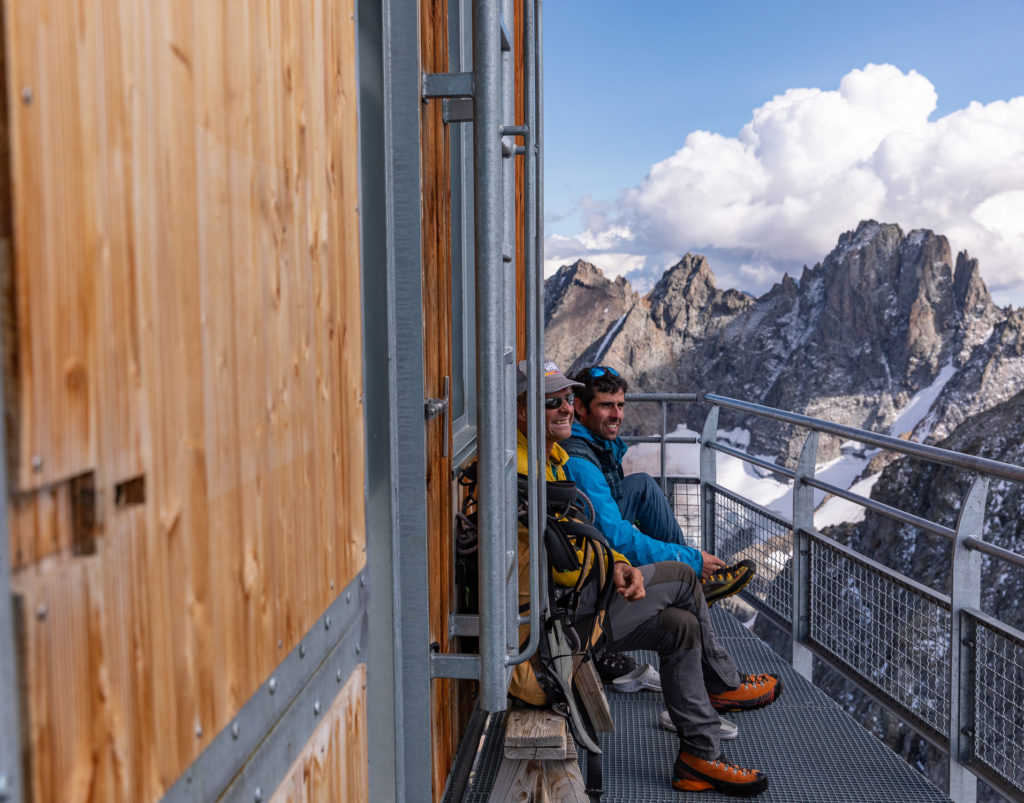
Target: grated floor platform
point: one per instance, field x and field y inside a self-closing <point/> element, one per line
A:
<point x="810" y="749"/>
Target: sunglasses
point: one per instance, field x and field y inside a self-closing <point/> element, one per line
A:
<point x="597" y="371"/>
<point x="556" y="402"/>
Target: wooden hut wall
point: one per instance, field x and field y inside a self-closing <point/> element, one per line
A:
<point x="182" y="369"/>
<point x="449" y="699"/>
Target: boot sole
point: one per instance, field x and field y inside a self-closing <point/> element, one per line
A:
<point x="736" y="790"/>
<point x="728" y="706"/>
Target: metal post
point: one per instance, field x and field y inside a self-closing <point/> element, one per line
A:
<point x="398" y="688"/>
<point x="537" y="494"/>
<point x="965" y="595"/>
<point x="708" y="476"/>
<point x="664" y="447"/>
<point x="803" y="520"/>
<point x="490" y="357"/>
<point x="10" y="730"/>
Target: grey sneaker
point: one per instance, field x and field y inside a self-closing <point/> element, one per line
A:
<point x="727" y="729"/>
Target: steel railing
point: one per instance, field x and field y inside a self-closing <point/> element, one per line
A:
<point x="935" y="660"/>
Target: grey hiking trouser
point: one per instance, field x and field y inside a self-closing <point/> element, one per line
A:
<point x="673" y="620"/>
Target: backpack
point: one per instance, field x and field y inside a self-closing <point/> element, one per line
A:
<point x="574" y="548"/>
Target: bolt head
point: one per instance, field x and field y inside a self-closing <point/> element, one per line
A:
<point x="272" y="685"/>
<point x="316" y="708"/>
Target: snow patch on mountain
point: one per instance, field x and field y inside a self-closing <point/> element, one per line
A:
<point x="917" y="408"/>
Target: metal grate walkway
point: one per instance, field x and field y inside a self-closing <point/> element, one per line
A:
<point x="810" y="749"/>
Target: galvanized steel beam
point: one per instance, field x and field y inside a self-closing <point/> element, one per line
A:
<point x="11" y="781"/>
<point x="803" y="523"/>
<point x="250" y="757"/>
<point x="398" y="687"/>
<point x="965" y="595"/>
<point x="492" y="384"/>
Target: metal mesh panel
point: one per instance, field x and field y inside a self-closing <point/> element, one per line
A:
<point x="895" y="638"/>
<point x="999" y="704"/>
<point x="742" y="531"/>
<point x="684" y="494"/>
<point x="487" y="763"/>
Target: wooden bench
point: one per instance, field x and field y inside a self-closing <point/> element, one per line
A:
<point x="540" y="759"/>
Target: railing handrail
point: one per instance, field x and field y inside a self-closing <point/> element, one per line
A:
<point x="951" y="728"/>
<point x="935" y="454"/>
<point x="947" y="457"/>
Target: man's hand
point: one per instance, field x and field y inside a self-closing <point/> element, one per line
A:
<point x="629" y="582"/>
<point x="711" y="564"/>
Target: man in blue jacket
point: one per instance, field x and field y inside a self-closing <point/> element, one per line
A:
<point x="631" y="510"/>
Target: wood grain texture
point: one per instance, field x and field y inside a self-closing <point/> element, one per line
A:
<point x="535" y="727"/>
<point x="332" y="767"/>
<point x="185" y="275"/>
<point x="450" y="701"/>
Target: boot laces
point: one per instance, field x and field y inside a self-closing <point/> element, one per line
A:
<point x="735" y="769"/>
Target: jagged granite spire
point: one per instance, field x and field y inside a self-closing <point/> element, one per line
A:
<point x="884" y="316"/>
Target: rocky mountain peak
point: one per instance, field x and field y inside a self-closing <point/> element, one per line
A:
<point x="885" y="316"/>
<point x="686" y="301"/>
<point x="582" y="307"/>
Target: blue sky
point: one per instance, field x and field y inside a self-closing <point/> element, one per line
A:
<point x="626" y="84"/>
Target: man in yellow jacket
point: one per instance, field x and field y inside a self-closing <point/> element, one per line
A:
<point x="659" y="607"/>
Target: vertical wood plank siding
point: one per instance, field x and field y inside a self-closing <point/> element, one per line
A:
<point x="521" y="244"/>
<point x="449" y="703"/>
<point x="186" y="323"/>
<point x="332" y="766"/>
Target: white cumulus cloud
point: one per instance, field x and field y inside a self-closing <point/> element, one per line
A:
<point x="812" y="163"/>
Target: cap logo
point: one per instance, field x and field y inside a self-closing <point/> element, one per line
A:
<point x="550" y="368"/>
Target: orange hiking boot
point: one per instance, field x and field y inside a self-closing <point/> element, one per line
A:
<point x="755" y="691"/>
<point x="727" y="581"/>
<point x="694" y="774"/>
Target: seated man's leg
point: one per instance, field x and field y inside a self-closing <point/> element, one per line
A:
<point x="644" y="504"/>
<point x="673" y="620"/>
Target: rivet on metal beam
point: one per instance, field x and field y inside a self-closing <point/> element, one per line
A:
<point x="348" y="597"/>
<point x="272" y="685"/>
<point x="235" y="730"/>
<point x="4" y="788"/>
<point x="302" y="651"/>
<point x="316" y="708"/>
<point x="327" y="623"/>
<point x="258" y="794"/>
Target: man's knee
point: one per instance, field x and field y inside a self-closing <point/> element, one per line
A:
<point x="673" y="571"/>
<point x="681" y="625"/>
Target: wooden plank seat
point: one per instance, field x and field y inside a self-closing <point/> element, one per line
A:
<point x="540" y="762"/>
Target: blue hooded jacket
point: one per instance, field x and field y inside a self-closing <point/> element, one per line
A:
<point x="621" y="534"/>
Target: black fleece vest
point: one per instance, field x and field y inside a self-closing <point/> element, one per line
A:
<point x="600" y="457"/>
